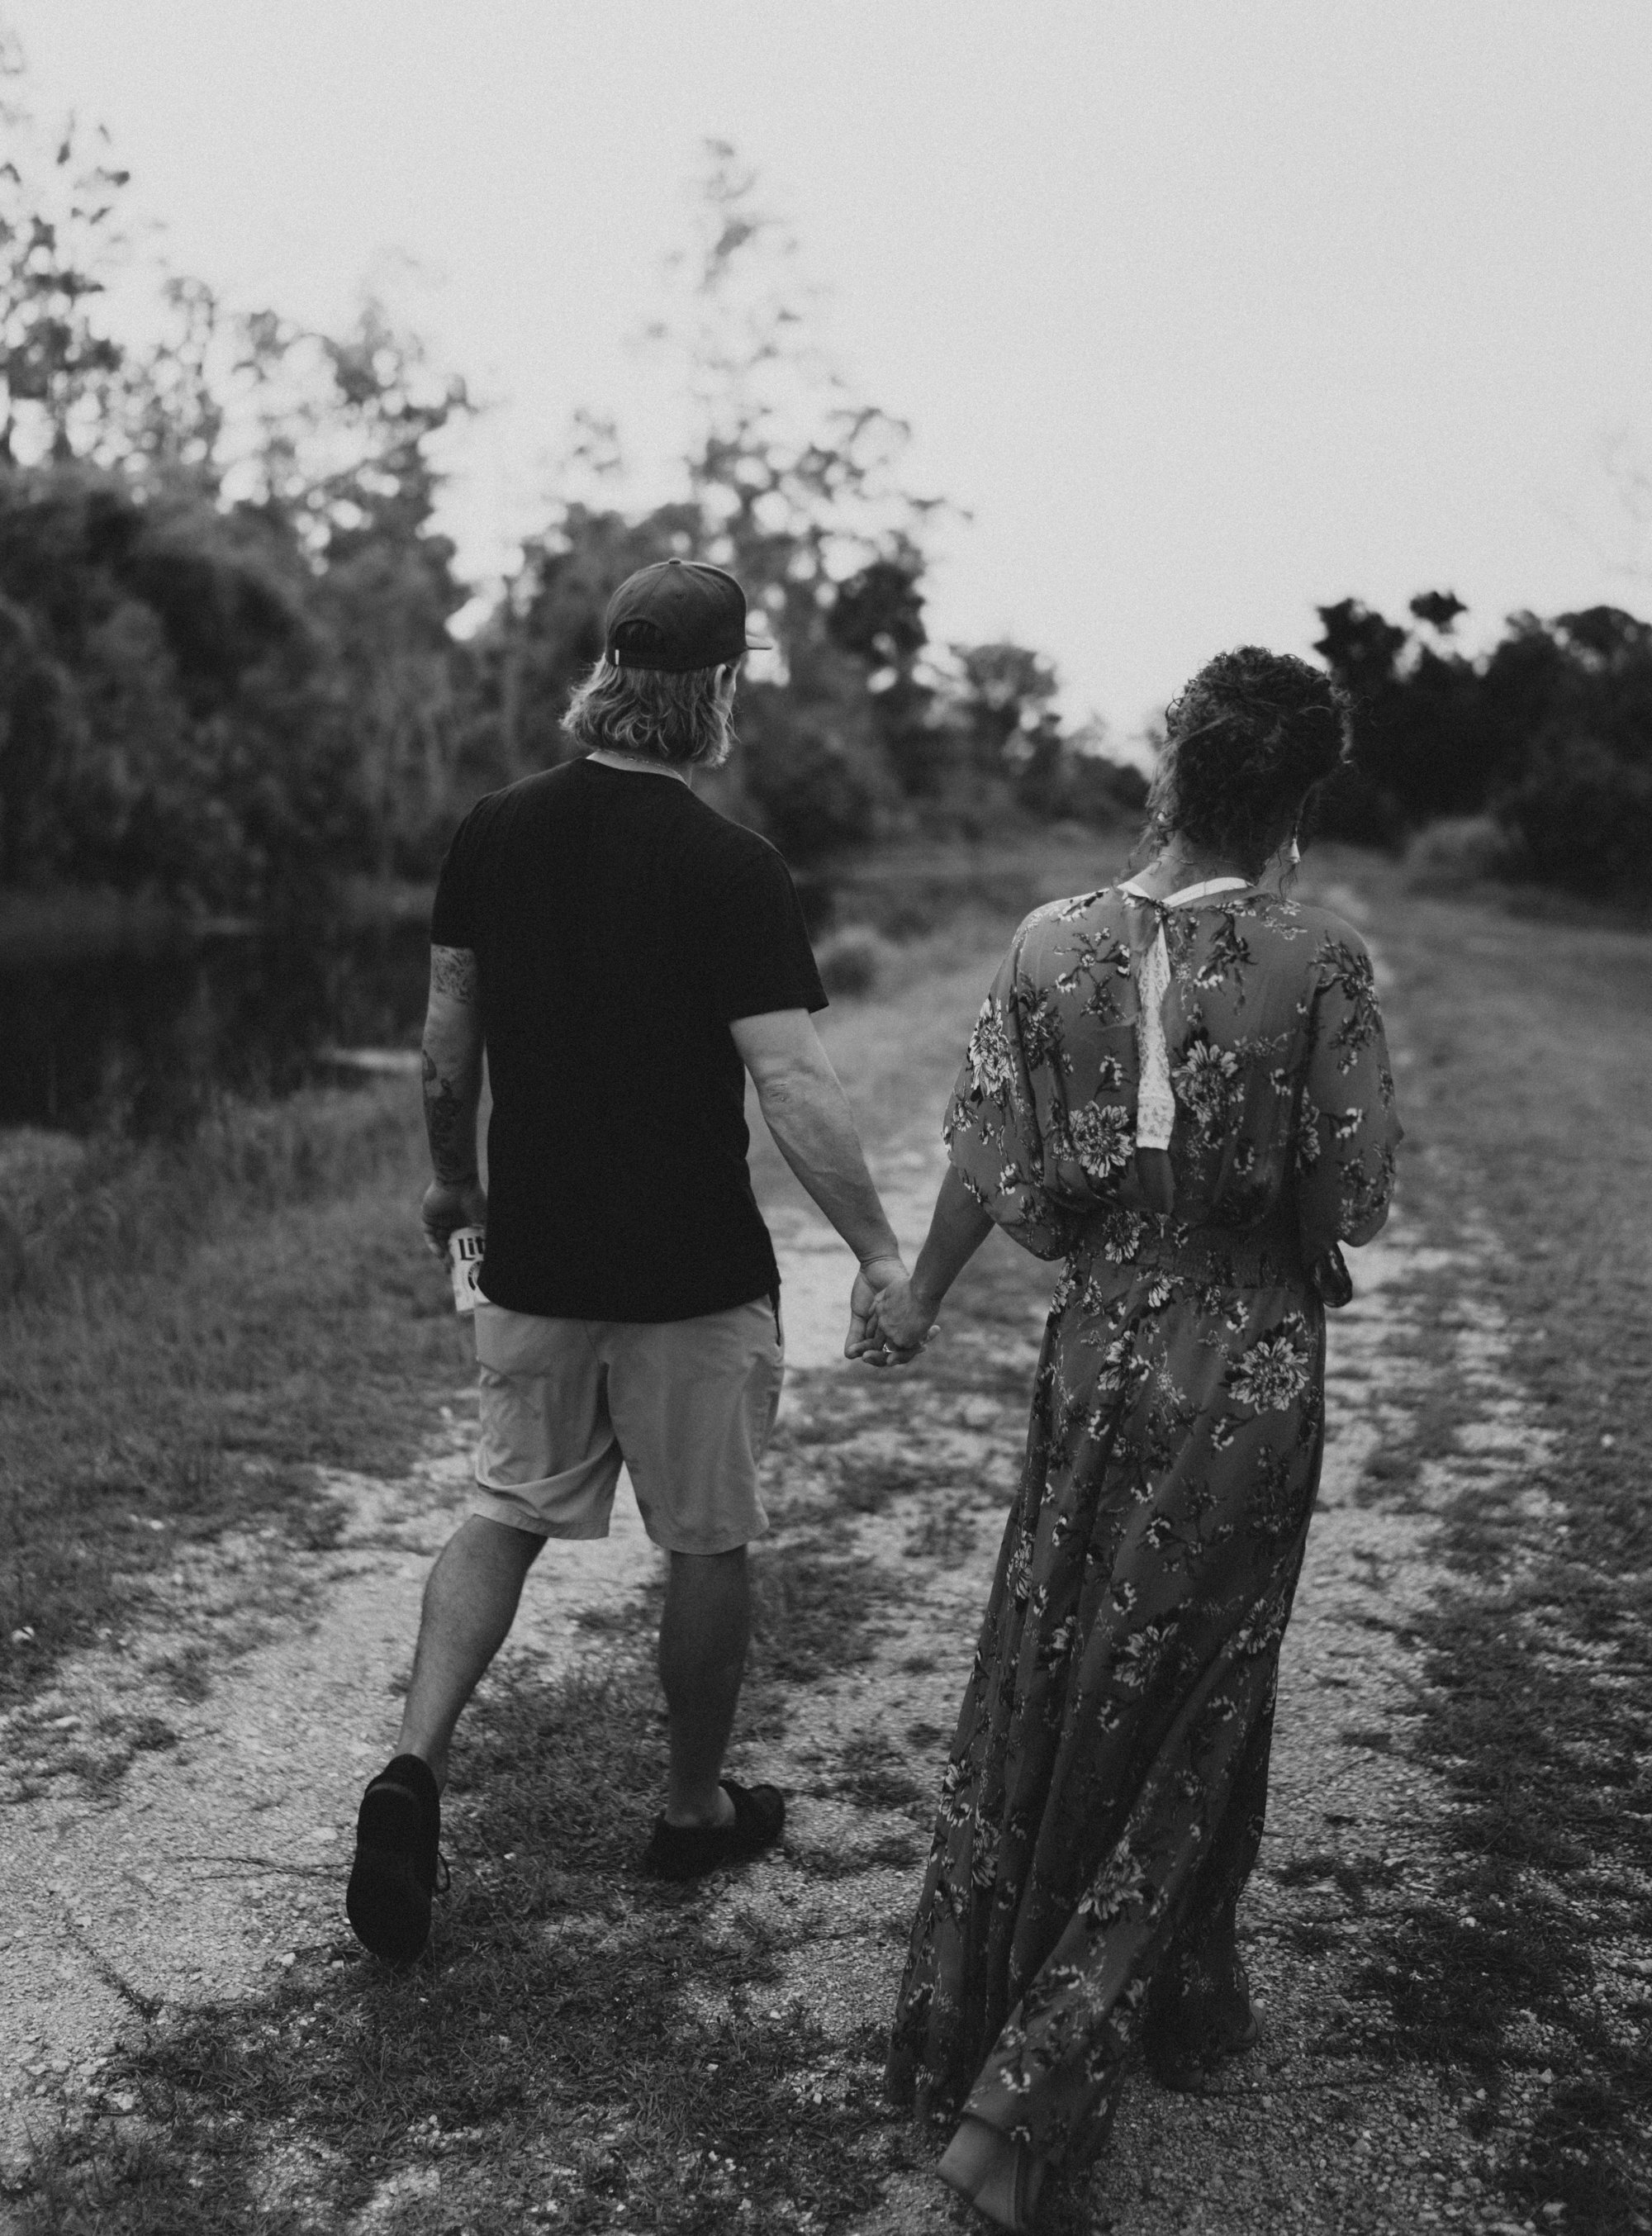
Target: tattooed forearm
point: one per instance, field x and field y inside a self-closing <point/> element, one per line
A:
<point x="450" y="1098"/>
<point x="453" y="1038"/>
<point x="453" y="971"/>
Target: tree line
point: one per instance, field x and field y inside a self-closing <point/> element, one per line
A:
<point x="1548" y="736"/>
<point x="228" y="673"/>
<point x="232" y="687"/>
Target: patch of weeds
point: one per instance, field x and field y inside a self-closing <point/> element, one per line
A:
<point x="815" y="1612"/>
<point x="185" y="1674"/>
<point x="885" y="1785"/>
<point x="1351" y="1879"/>
<point x="802" y="1432"/>
<point x="95" y="1771"/>
<point x="872" y="1774"/>
<point x="207" y="1331"/>
<point x="944" y="1535"/>
<point x="605" y="1621"/>
<point x="144" y="1734"/>
<point x="686" y="2085"/>
<point x="865" y="1484"/>
<point x="892" y="1852"/>
<point x="321" y="1523"/>
<point x="1312" y="1937"/>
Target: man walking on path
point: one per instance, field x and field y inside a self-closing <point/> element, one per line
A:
<point x="625" y="955"/>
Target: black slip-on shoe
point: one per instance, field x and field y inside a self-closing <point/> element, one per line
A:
<point x="688" y="1851"/>
<point x="394" y="1877"/>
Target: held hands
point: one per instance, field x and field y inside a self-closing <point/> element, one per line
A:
<point x="904" y="1320"/>
<point x="874" y="1276"/>
<point x="887" y="1325"/>
<point x="449" y="1204"/>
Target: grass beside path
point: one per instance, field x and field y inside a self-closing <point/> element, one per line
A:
<point x="1529" y="1140"/>
<point x="203" y="1329"/>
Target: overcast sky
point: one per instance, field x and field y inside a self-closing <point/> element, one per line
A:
<point x="1206" y="313"/>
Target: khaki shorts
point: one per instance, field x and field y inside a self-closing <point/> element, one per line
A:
<point x="688" y="1406"/>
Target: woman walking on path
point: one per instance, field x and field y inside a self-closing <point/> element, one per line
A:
<point x="1178" y="1085"/>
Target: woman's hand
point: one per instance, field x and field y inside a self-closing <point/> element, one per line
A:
<point x="874" y="1276"/>
<point x="901" y="1323"/>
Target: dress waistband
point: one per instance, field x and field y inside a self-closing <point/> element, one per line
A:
<point x="1265" y="1255"/>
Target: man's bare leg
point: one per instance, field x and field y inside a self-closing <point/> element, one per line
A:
<point x="470" y="1600"/>
<point x="702" y="1658"/>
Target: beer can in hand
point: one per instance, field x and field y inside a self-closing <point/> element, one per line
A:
<point x="464" y="1261"/>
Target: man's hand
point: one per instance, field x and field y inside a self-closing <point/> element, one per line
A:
<point x="887" y="1326"/>
<point x="447" y="1206"/>
<point x="901" y="1323"/>
<point x="877" y="1275"/>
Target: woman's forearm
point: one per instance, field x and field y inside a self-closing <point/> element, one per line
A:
<point x="956" y="1231"/>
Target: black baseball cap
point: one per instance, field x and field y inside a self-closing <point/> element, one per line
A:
<point x="677" y="614"/>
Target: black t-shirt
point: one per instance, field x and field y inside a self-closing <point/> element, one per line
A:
<point x="619" y="924"/>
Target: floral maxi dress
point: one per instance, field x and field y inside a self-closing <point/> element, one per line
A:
<point x="1103" y="1803"/>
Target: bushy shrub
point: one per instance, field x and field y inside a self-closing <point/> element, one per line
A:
<point x="1549" y="733"/>
<point x="1350" y="805"/>
<point x="1459" y="850"/>
<point x="853" y="961"/>
<point x="1097" y="790"/>
<point x="1584" y="811"/>
<point x="813" y="780"/>
<point x="173" y="727"/>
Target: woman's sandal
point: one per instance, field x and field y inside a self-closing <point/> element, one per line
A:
<point x="1002" y="2179"/>
<point x="1187" y="2076"/>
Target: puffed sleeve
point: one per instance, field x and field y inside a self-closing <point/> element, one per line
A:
<point x="1347" y="1127"/>
<point x="1035" y="1162"/>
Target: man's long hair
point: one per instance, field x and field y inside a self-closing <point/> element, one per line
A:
<point x="644" y="711"/>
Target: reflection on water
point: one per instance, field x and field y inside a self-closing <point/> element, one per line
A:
<point x="138" y="1034"/>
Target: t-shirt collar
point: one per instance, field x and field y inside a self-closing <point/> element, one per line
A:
<point x="639" y="767"/>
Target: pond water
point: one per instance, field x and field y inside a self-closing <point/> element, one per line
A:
<point x="140" y="1039"/>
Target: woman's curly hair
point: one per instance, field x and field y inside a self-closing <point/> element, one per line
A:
<point x="1245" y="742"/>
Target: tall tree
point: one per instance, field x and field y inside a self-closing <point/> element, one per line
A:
<point x="796" y="480"/>
<point x="60" y="229"/>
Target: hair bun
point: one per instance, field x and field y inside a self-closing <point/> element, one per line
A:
<point x="1246" y="741"/>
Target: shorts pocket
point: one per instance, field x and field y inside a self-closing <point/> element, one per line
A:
<point x="512" y="1342"/>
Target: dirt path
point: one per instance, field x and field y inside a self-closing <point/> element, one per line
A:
<point x="218" y="1859"/>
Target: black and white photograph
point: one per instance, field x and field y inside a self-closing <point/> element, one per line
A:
<point x="825" y="1117"/>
